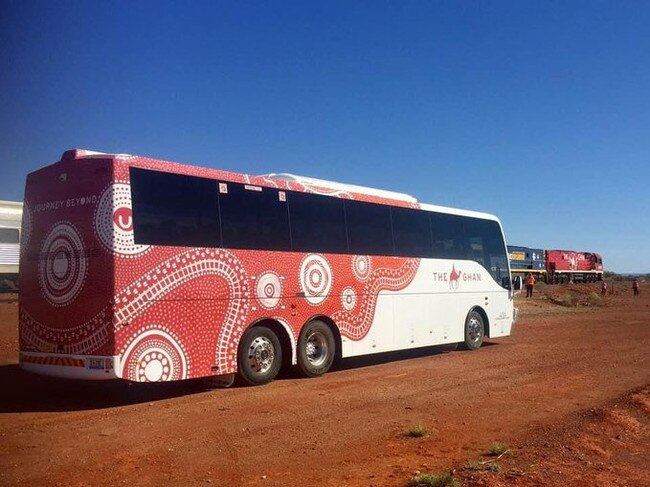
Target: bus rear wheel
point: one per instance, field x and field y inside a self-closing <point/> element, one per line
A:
<point x="259" y="357"/>
<point x="316" y="349"/>
<point x="474" y="331"/>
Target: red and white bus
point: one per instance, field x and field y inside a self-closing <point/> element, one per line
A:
<point x="146" y="270"/>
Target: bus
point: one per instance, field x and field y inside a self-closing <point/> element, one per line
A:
<point x="150" y="271"/>
<point x="10" y="217"/>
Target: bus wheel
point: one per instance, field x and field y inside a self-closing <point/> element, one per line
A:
<point x="316" y="349"/>
<point x="474" y="331"/>
<point x="259" y="357"/>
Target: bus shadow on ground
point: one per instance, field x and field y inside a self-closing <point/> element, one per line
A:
<point x="362" y="361"/>
<point x="386" y="357"/>
<point x="26" y="392"/>
<point x="23" y="391"/>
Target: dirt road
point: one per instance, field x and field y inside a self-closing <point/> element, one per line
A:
<point x="344" y="429"/>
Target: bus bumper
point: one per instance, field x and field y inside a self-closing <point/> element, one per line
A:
<point x="70" y="366"/>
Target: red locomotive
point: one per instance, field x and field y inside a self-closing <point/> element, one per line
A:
<point x="571" y="266"/>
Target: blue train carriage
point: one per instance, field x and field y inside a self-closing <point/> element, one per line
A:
<point x="524" y="260"/>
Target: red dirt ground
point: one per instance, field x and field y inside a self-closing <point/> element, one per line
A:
<point x="568" y="392"/>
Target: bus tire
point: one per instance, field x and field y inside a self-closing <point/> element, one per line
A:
<point x="474" y="331"/>
<point x="316" y="349"/>
<point x="259" y="356"/>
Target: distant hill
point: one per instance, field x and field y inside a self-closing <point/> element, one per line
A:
<point x="625" y="277"/>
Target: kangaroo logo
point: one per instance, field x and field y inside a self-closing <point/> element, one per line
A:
<point x="454" y="277"/>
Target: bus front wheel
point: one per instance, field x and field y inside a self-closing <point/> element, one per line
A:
<point x="316" y="348"/>
<point x="474" y="331"/>
<point x="259" y="357"/>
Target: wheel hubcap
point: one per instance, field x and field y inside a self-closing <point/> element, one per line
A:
<point x="261" y="355"/>
<point x="317" y="349"/>
<point x="475" y="330"/>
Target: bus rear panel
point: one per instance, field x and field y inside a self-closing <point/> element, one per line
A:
<point x="66" y="285"/>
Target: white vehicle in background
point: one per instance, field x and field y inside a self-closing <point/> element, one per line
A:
<point x="11" y="213"/>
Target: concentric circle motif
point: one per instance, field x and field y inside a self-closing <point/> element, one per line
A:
<point x="63" y="265"/>
<point x="114" y="221"/>
<point x="268" y="290"/>
<point x="315" y="278"/>
<point x="361" y="266"/>
<point x="348" y="299"/>
<point x="154" y="354"/>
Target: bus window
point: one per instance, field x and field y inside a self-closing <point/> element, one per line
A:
<point x="448" y="236"/>
<point x="411" y="232"/>
<point x="174" y="209"/>
<point x="491" y="254"/>
<point x="475" y="250"/>
<point x="369" y="230"/>
<point x="253" y="217"/>
<point x="317" y="223"/>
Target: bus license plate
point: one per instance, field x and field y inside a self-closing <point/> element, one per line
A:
<point x="95" y="363"/>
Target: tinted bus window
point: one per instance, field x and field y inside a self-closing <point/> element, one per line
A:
<point x="486" y="246"/>
<point x="317" y="223"/>
<point x="9" y="235"/>
<point x="369" y="228"/>
<point x="448" y="236"/>
<point x="411" y="232"/>
<point x="253" y="217"/>
<point x="173" y="209"/>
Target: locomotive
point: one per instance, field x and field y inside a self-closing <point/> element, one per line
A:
<point x="554" y="266"/>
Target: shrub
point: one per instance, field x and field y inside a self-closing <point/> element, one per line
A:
<point x="595" y="300"/>
<point x="568" y="300"/>
<point x="417" y="431"/>
<point x="434" y="480"/>
<point x="497" y="448"/>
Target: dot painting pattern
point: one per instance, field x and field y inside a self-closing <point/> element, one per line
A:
<point x="171" y="313"/>
<point x="87" y="337"/>
<point x="154" y="354"/>
<point x="348" y="299"/>
<point x="315" y="278"/>
<point x="356" y="325"/>
<point x="26" y="226"/>
<point x="361" y="267"/>
<point x="268" y="289"/>
<point x="114" y="221"/>
<point x="63" y="264"/>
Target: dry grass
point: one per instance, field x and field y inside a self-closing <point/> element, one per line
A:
<point x="434" y="480"/>
<point x="417" y="431"/>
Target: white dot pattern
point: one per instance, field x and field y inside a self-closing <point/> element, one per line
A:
<point x="114" y="222"/>
<point x="63" y="264"/>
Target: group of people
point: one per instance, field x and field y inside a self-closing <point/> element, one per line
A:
<point x="530" y="285"/>
<point x="635" y="287"/>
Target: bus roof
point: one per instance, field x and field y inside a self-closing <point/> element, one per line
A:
<point x="311" y="182"/>
<point x="322" y="183"/>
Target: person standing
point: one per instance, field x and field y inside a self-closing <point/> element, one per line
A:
<point x="603" y="289"/>
<point x="635" y="287"/>
<point x="530" y="284"/>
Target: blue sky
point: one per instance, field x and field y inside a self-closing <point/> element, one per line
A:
<point x="536" y="111"/>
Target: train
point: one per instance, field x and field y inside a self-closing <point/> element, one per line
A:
<point x="11" y="214"/>
<point x="554" y="266"/>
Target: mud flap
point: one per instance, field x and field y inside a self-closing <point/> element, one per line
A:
<point x="225" y="380"/>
